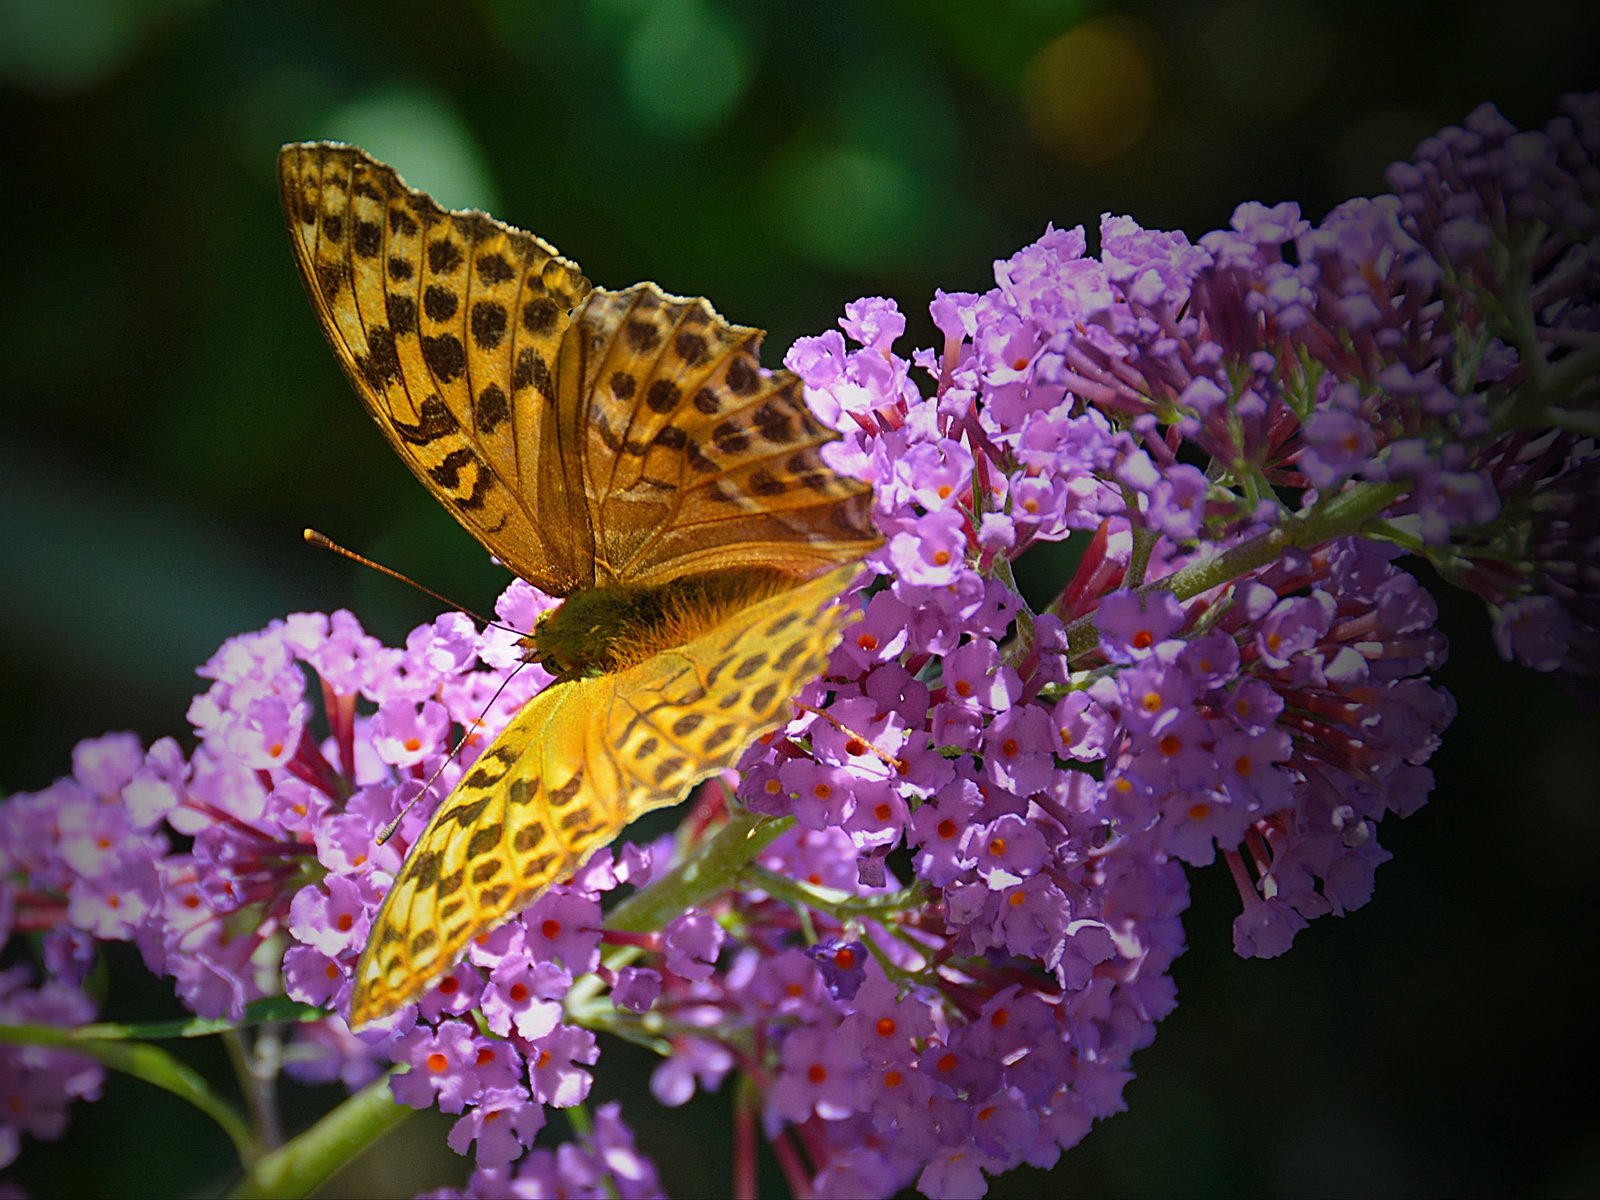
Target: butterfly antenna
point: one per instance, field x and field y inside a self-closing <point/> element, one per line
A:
<point x="326" y="543"/>
<point x="889" y="760"/>
<point x="388" y="831"/>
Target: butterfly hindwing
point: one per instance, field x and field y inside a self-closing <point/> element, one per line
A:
<point x="576" y="765"/>
<point x="694" y="457"/>
<point x="449" y="325"/>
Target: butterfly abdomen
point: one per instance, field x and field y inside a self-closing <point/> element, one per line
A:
<point x="606" y="629"/>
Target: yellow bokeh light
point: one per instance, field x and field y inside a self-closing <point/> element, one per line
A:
<point x="1090" y="94"/>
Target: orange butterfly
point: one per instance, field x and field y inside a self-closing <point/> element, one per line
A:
<point x="624" y="450"/>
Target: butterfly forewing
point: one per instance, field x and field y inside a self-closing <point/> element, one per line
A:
<point x="449" y="326"/>
<point x="580" y="762"/>
<point x="695" y="458"/>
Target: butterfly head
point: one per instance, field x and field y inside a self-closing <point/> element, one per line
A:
<point x="580" y="637"/>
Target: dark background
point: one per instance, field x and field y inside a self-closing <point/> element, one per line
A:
<point x="172" y="419"/>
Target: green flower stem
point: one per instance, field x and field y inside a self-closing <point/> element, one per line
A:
<point x="1346" y="513"/>
<point x="1574" y="420"/>
<point x="258" y="1078"/>
<point x="1144" y="541"/>
<point x="149" y="1063"/>
<point x="841" y="906"/>
<point x="304" y="1163"/>
<point x="1550" y="399"/>
<point x="710" y="870"/>
<point x="1017" y="649"/>
<point x="1517" y="308"/>
<point x="578" y="1117"/>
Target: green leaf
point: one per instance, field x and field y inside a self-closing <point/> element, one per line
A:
<point x="149" y="1063"/>
<point x="262" y="1012"/>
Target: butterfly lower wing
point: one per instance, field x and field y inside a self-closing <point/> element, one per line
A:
<point x="694" y="458"/>
<point x="576" y="765"/>
<point x="448" y="325"/>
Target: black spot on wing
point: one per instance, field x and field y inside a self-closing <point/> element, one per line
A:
<point x="380" y="366"/>
<point x="402" y="313"/>
<point x="743" y="375"/>
<point x="494" y="268"/>
<point x="445" y="355"/>
<point x="775" y="425"/>
<point x="488" y="324"/>
<point x="440" y="303"/>
<point x="485" y="840"/>
<point x="491" y="409"/>
<point x="531" y="371"/>
<point x="447" y="473"/>
<point x="662" y="396"/>
<point x="444" y="256"/>
<point x="434" y="421"/>
<point x="540" y="314"/>
<point x="366" y="239"/>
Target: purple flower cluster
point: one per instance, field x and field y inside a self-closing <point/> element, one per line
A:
<point x="76" y="864"/>
<point x="39" y="1084"/>
<point x="942" y="970"/>
<point x="251" y="868"/>
<point x="1047" y="798"/>
<point x="602" y="1164"/>
<point x="1512" y="216"/>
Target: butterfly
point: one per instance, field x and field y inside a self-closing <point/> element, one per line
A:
<point x="622" y="449"/>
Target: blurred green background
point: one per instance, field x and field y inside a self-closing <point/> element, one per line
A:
<point x="172" y="419"/>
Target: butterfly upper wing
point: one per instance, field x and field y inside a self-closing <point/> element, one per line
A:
<point x="576" y="765"/>
<point x="448" y="325"/>
<point x="693" y="457"/>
